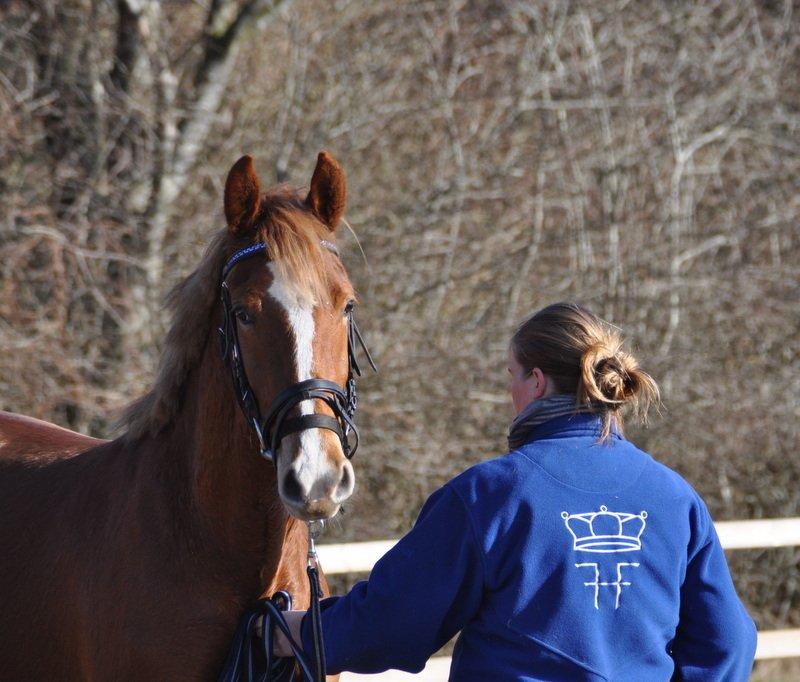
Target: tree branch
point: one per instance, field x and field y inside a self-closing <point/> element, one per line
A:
<point x="127" y="46"/>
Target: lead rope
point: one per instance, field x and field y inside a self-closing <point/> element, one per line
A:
<point x="312" y="568"/>
<point x="242" y="661"/>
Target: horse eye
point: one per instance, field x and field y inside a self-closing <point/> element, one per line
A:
<point x="243" y="316"/>
<point x="349" y="307"/>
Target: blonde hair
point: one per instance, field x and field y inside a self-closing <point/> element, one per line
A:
<point x="582" y="355"/>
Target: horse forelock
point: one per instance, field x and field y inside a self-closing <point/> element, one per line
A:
<point x="292" y="235"/>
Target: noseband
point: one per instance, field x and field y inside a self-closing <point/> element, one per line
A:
<point x="272" y="428"/>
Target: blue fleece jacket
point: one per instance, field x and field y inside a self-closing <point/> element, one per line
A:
<point x="563" y="560"/>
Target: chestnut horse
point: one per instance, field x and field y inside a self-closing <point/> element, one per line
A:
<point x="132" y="559"/>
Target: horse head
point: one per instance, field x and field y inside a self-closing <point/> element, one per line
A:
<point x="287" y="331"/>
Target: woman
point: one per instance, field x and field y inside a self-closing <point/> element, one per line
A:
<point x="575" y="556"/>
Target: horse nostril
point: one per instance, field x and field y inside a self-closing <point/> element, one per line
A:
<point x="345" y="486"/>
<point x="346" y="477"/>
<point x="292" y="489"/>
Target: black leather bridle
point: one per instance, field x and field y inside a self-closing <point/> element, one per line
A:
<point x="273" y="427"/>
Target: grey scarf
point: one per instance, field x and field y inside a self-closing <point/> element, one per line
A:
<point x="540" y="411"/>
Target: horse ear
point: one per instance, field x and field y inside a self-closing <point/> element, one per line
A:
<point x="327" y="194"/>
<point x="242" y="196"/>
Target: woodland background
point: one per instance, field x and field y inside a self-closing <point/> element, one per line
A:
<point x="642" y="158"/>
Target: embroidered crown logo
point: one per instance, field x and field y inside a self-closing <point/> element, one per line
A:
<point x="605" y="531"/>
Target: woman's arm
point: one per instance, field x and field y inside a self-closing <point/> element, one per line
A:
<point x="420" y="594"/>
<point x="716" y="638"/>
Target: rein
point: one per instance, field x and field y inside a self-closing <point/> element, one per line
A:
<point x="251" y="651"/>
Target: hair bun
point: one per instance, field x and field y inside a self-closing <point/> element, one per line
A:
<point x="613" y="376"/>
<point x="609" y="374"/>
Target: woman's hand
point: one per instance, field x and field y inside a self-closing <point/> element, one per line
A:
<point x="280" y="644"/>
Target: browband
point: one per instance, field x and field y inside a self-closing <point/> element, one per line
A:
<point x="248" y="251"/>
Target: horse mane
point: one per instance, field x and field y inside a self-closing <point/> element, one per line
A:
<point x="292" y="235"/>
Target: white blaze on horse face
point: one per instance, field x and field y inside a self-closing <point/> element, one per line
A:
<point x="309" y="465"/>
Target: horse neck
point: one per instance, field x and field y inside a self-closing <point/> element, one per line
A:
<point x="231" y="494"/>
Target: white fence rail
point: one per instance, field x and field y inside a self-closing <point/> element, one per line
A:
<point x="359" y="557"/>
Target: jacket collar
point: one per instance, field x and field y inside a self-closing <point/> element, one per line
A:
<point x="571" y="425"/>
